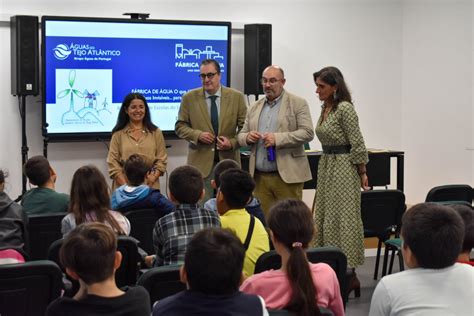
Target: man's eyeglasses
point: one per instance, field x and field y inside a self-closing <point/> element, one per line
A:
<point x="271" y="81"/>
<point x="209" y="75"/>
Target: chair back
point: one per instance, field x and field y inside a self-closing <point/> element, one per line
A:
<point x="381" y="212"/>
<point x="161" y="282"/>
<point x="335" y="258"/>
<point x="43" y="230"/>
<point x="270" y="260"/>
<point x="142" y="223"/>
<point x="126" y="274"/>
<point x="448" y="203"/>
<point x="332" y="256"/>
<point x="28" y="288"/>
<point x="452" y="192"/>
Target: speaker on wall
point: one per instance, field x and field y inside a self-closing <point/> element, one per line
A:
<point x="258" y="55"/>
<point x="24" y="55"/>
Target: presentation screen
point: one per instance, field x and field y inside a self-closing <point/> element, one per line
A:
<point x="91" y="64"/>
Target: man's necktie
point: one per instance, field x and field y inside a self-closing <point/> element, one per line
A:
<point x="214" y="114"/>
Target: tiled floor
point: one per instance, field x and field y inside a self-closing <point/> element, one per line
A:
<point x="360" y="306"/>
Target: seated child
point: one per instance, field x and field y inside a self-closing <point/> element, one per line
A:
<point x="253" y="207"/>
<point x="136" y="194"/>
<point x="434" y="283"/>
<point x="173" y="232"/>
<point x="467" y="215"/>
<point x="89" y="254"/>
<point x="299" y="286"/>
<point x="90" y="202"/>
<point x="43" y="199"/>
<point x="212" y="271"/>
<point x="13" y="221"/>
<point x="235" y="191"/>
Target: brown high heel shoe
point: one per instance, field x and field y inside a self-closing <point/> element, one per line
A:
<point x="353" y="284"/>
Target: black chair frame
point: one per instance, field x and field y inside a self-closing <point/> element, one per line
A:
<point x="43" y="230"/>
<point x="161" y="282"/>
<point x="142" y="223"/>
<point x="451" y="192"/>
<point x="26" y="289"/>
<point x="381" y="212"/>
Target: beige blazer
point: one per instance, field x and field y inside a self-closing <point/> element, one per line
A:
<point x="295" y="128"/>
<point x="193" y="119"/>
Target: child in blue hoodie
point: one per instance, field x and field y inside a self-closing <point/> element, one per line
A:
<point x="136" y="194"/>
<point x="253" y="206"/>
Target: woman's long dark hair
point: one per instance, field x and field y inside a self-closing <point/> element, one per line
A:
<point x="90" y="194"/>
<point x="123" y="118"/>
<point x="333" y="77"/>
<point x="292" y="225"/>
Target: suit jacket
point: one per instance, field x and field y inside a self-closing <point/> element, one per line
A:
<point x="194" y="118"/>
<point x="295" y="128"/>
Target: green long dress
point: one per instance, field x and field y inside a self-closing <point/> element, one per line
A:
<point x="337" y="201"/>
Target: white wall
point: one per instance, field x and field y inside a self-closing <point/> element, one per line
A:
<point x="437" y="90"/>
<point x="400" y="87"/>
<point x="471" y="147"/>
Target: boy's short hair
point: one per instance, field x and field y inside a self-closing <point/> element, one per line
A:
<point x="222" y="166"/>
<point x="214" y="261"/>
<point x="37" y="169"/>
<point x="186" y="184"/>
<point x="237" y="186"/>
<point x="434" y="234"/>
<point x="89" y="250"/>
<point x="467" y="215"/>
<point x="135" y="168"/>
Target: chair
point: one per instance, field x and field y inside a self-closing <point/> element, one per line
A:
<point x="142" y="223"/>
<point x="331" y="255"/>
<point x="395" y="244"/>
<point x="43" y="230"/>
<point x="28" y="288"/>
<point x="161" y="282"/>
<point x="452" y="192"/>
<point x="381" y="212"/>
<point x="126" y="274"/>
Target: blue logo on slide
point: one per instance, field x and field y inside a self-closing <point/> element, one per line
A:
<point x="62" y="51"/>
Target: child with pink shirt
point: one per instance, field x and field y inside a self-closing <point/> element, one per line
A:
<point x="291" y="230"/>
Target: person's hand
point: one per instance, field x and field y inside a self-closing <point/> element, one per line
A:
<point x="149" y="261"/>
<point x="269" y="139"/>
<point x="152" y="176"/>
<point x="206" y="138"/>
<point x="223" y="143"/>
<point x="253" y="137"/>
<point x="364" y="182"/>
<point x="120" y="180"/>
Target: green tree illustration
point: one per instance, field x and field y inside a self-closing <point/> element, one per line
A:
<point x="71" y="91"/>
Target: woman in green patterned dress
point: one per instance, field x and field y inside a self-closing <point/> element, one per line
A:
<point x="341" y="171"/>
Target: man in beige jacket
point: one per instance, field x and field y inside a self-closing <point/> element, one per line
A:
<point x="281" y="122"/>
<point x="209" y="119"/>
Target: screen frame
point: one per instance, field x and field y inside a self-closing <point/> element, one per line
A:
<point x="104" y="136"/>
